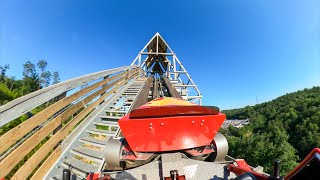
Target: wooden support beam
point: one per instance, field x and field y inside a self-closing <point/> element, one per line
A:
<point x="12" y="136"/>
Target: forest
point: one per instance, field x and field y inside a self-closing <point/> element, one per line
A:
<point x="286" y="128"/>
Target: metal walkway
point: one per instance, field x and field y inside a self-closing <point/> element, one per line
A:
<point x="86" y="153"/>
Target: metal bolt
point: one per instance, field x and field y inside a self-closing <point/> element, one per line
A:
<point x="150" y="127"/>
<point x="201" y="124"/>
<point x="162" y="124"/>
<point x="150" y="124"/>
<point x="202" y="120"/>
<point x="192" y="122"/>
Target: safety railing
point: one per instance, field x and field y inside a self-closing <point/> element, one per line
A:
<point x="30" y="148"/>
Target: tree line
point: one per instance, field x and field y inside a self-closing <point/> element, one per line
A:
<point x="34" y="77"/>
<point x="286" y="128"/>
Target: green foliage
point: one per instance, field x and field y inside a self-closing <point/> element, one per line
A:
<point x="6" y="95"/>
<point x="3" y="70"/>
<point x="42" y="64"/>
<point x="286" y="128"/>
<point x="30" y="78"/>
<point x="55" y="77"/>
<point x="45" y="76"/>
<point x="10" y="88"/>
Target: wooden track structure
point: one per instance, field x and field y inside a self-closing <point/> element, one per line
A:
<point x="67" y="105"/>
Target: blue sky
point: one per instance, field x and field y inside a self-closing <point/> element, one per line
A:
<point x="238" y="52"/>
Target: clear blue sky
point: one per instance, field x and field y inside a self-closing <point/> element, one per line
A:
<point x="237" y="52"/>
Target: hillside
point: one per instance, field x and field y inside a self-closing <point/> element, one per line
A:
<point x="286" y="128"/>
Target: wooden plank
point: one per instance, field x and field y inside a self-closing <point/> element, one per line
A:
<point x="44" y="168"/>
<point x="19" y="131"/>
<point x="15" y="157"/>
<point x="7" y="164"/>
<point x="22" y="105"/>
<point x="33" y="162"/>
<point x="27" y="169"/>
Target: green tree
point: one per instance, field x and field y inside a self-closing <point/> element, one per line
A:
<point x="262" y="149"/>
<point x="45" y="76"/>
<point x="3" y="70"/>
<point x="42" y="65"/>
<point x="56" y="78"/>
<point x="30" y="78"/>
<point x="279" y="129"/>
<point x="45" y="79"/>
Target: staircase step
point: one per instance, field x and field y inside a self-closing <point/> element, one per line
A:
<point x="89" y="154"/>
<point x="107" y="123"/>
<point x="79" y="167"/>
<point x="118" y="107"/>
<point x="110" y="127"/>
<point x="115" y="118"/>
<point x="93" y="141"/>
<point x="113" y="111"/>
<point x="130" y="98"/>
<point x="129" y="93"/>
<point x="132" y="90"/>
<point x="101" y="132"/>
